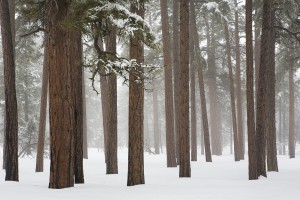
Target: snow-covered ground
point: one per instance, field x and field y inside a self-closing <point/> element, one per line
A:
<point x="221" y="180"/>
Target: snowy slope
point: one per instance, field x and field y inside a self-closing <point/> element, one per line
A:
<point x="221" y="180"/>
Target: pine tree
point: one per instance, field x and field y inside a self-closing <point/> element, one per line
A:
<point x="252" y="166"/>
<point x="170" y="139"/>
<point x="184" y="132"/>
<point x="136" y="107"/>
<point x="60" y="97"/>
<point x="11" y="113"/>
<point x="43" y="106"/>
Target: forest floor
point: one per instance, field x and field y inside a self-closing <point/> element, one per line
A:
<point x="223" y="179"/>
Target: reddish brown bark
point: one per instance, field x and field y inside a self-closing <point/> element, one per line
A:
<point x="11" y="5"/>
<point x="176" y="60"/>
<point x="262" y="112"/>
<point x="85" y="137"/>
<point x="43" y="111"/>
<point x="271" y="131"/>
<point x="169" y="106"/>
<point x="136" y="108"/>
<point x="60" y="98"/>
<point x="184" y="132"/>
<point x="240" y="125"/>
<point x="11" y="114"/>
<point x="252" y="165"/>
<point x="193" y="108"/>
<point x="76" y="55"/>
<point x="112" y="122"/>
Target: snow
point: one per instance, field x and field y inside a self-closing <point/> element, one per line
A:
<point x="223" y="179"/>
<point x="211" y="5"/>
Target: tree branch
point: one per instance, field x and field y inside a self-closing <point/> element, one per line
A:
<point x="295" y="34"/>
<point x="34" y="31"/>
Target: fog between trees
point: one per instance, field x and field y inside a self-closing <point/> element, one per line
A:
<point x="181" y="78"/>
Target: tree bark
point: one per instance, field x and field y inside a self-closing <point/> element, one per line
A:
<point x="43" y="112"/>
<point x="27" y="149"/>
<point x="136" y="108"/>
<point x="104" y="102"/>
<point x="284" y="128"/>
<point x="201" y="136"/>
<point x="232" y="97"/>
<point x="201" y="86"/>
<point x="257" y="40"/>
<point x="146" y="131"/>
<point x="155" y="118"/>
<point x="169" y="105"/>
<point x="60" y="95"/>
<point x="280" y="127"/>
<point x="262" y="112"/>
<point x="85" y="137"/>
<point x="184" y="146"/>
<point x="240" y="127"/>
<point x="291" y="143"/>
<point x="11" y="5"/>
<point x="176" y="62"/>
<point x="212" y="86"/>
<point x="104" y="105"/>
<point x="112" y="115"/>
<point x="11" y="112"/>
<point x="193" y="107"/>
<point x="271" y="134"/>
<point x="76" y="71"/>
<point x="252" y="165"/>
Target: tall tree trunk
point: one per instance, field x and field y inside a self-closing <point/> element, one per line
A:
<point x="43" y="112"/>
<point x="271" y="131"/>
<point x="169" y="105"/>
<point x="201" y="86"/>
<point x="76" y="81"/>
<point x="27" y="149"/>
<point x="11" y="112"/>
<point x="85" y="137"/>
<point x="257" y="40"/>
<point x="231" y="138"/>
<point x="201" y="137"/>
<point x="146" y="131"/>
<point x="104" y="104"/>
<point x="212" y="86"/>
<point x="240" y="127"/>
<point x="176" y="62"/>
<point x="112" y="126"/>
<point x="4" y="142"/>
<point x="11" y="4"/>
<point x="291" y="143"/>
<point x="60" y="95"/>
<point x="136" y="107"/>
<point x="232" y="97"/>
<point x="262" y="112"/>
<point x="184" y="146"/>
<point x="252" y="165"/>
<point x="155" y="118"/>
<point x="193" y="106"/>
<point x="284" y="128"/>
<point x="160" y="135"/>
<point x="280" y="127"/>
